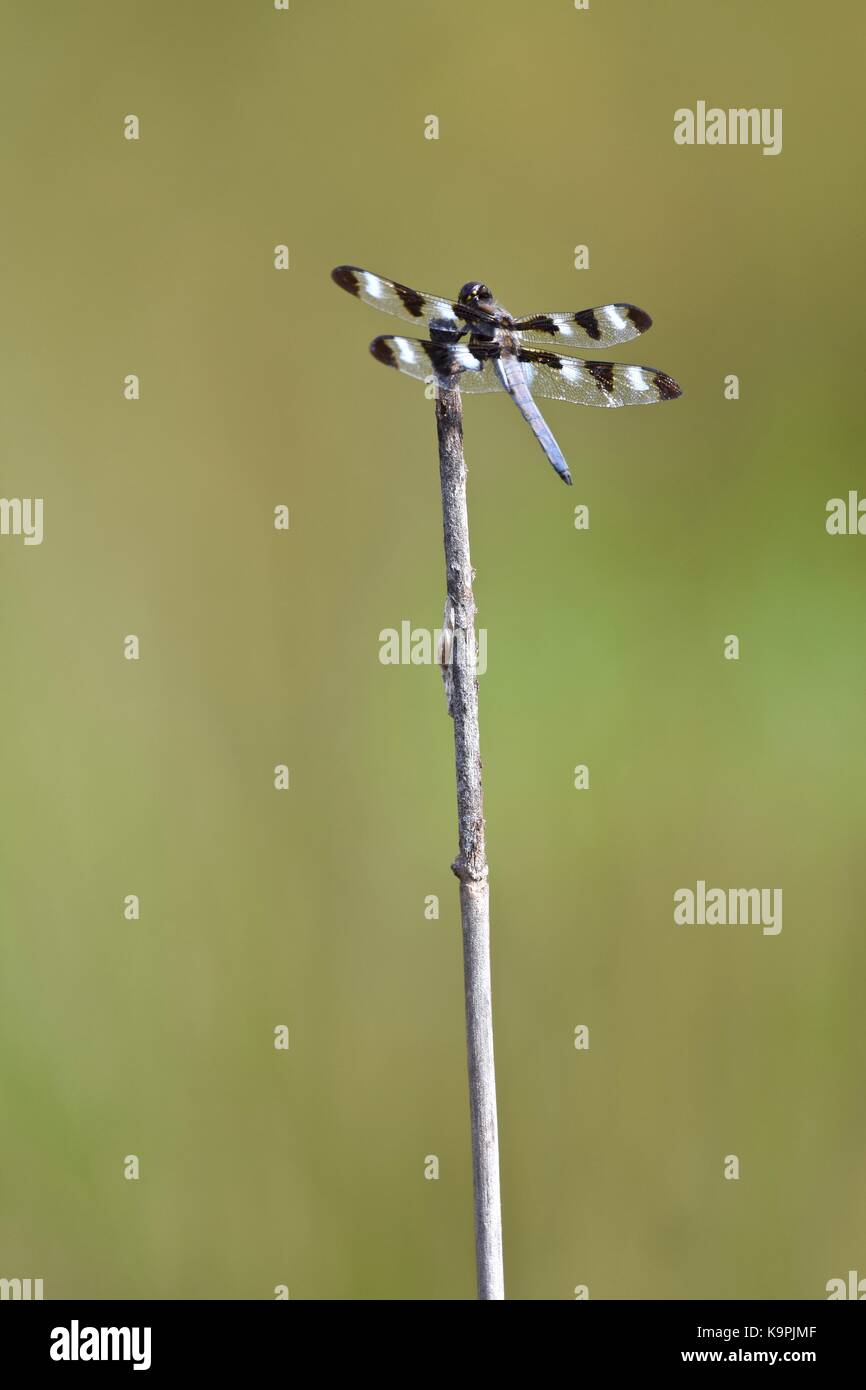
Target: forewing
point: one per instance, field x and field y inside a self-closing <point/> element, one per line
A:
<point x="604" y="327"/>
<point x="394" y="298"/>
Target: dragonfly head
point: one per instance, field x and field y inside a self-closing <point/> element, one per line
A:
<point x="475" y="295"/>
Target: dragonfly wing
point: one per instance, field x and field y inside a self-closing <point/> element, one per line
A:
<point x="393" y="298"/>
<point x="594" y="383"/>
<point x="604" y="327"/>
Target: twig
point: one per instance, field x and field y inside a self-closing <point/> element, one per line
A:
<point x="470" y="866"/>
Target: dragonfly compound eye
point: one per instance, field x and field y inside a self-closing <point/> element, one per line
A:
<point x="473" y="292"/>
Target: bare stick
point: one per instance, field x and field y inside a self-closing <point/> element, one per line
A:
<point x="470" y="866"/>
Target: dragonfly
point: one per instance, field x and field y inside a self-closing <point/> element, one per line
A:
<point x="496" y="355"/>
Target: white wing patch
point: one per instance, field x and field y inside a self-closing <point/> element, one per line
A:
<point x="373" y="285"/>
<point x="466" y="358"/>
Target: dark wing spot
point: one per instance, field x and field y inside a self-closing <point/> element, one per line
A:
<point x="602" y="373"/>
<point x="542" y="359"/>
<point x="542" y="323"/>
<point x="666" y="386"/>
<point x="639" y="317"/>
<point x="486" y="352"/>
<point x="589" y="323"/>
<point x="345" y="277"/>
<point x="383" y="352"/>
<point x="442" y="357"/>
<point x="412" y="301"/>
<point x="445" y="330"/>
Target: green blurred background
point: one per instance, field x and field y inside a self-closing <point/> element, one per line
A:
<point x="307" y="908"/>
